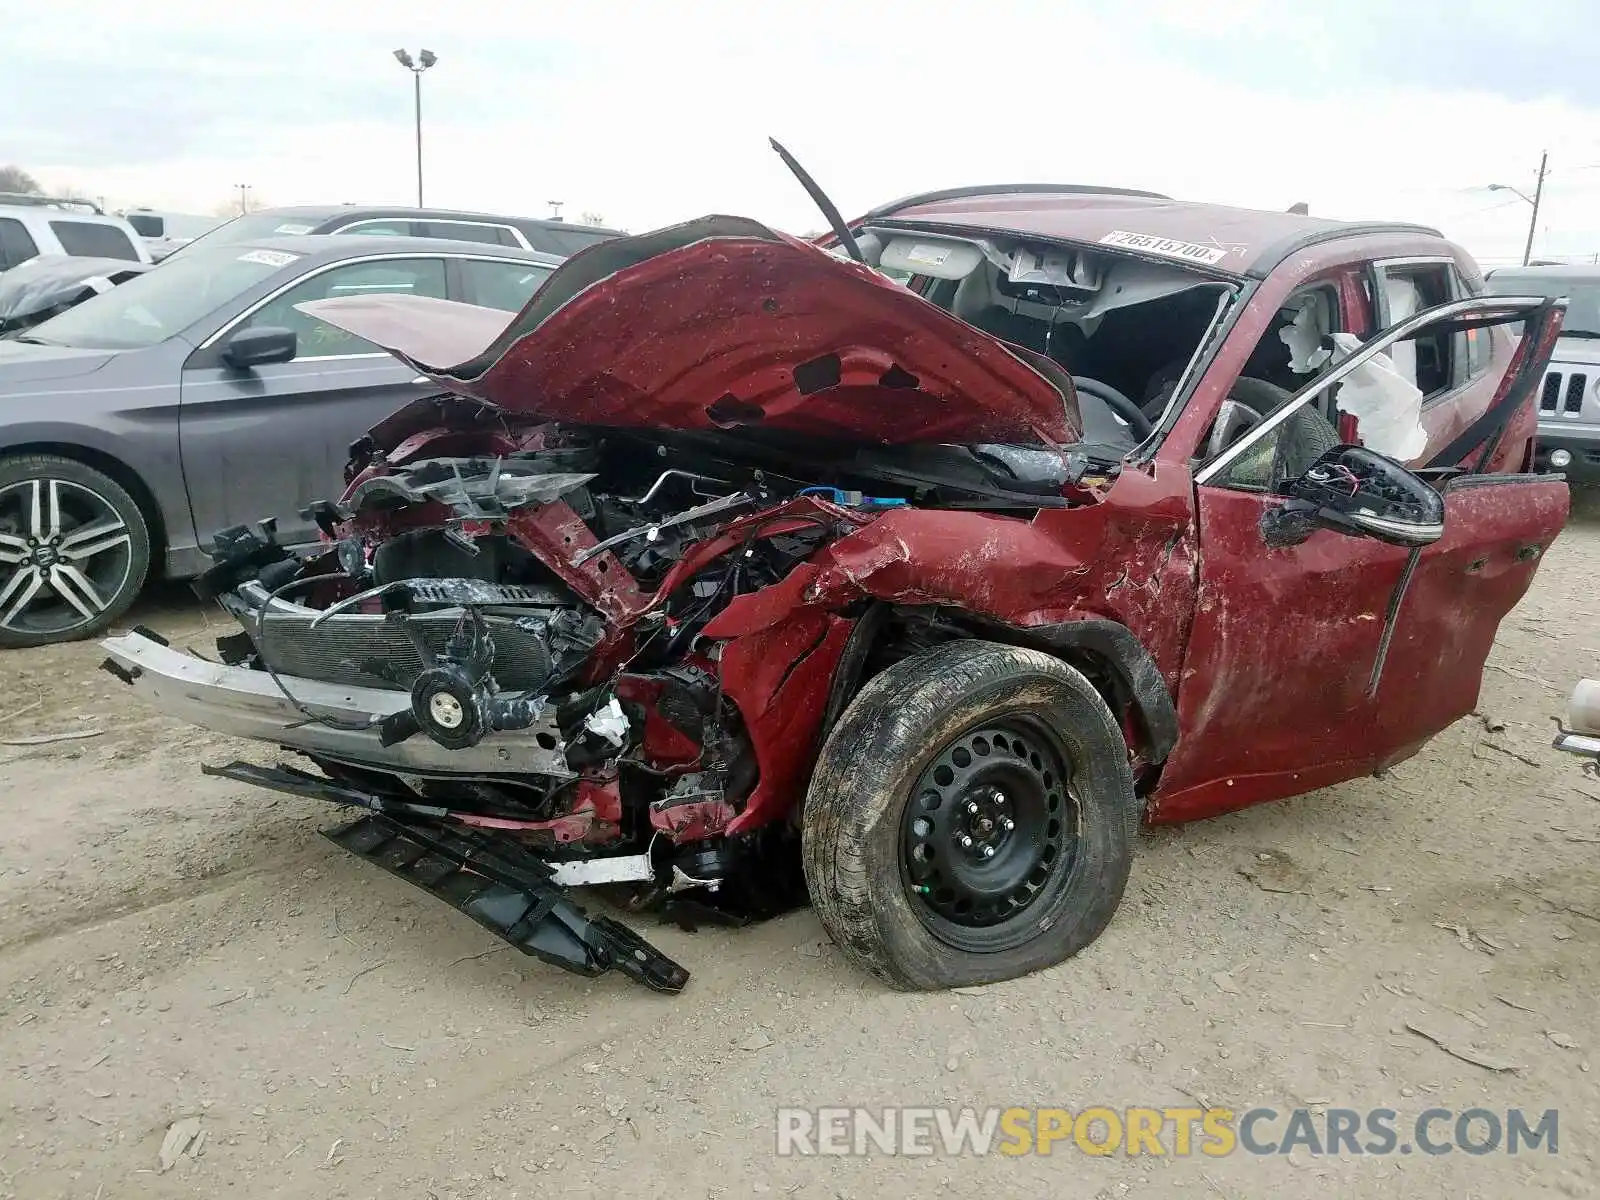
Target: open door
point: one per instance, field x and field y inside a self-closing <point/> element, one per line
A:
<point x="1345" y="609"/>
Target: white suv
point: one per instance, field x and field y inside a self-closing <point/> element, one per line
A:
<point x="39" y="226"/>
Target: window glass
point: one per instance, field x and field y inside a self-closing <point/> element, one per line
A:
<point x="151" y="307"/>
<point x="88" y="239"/>
<point x="469" y="231"/>
<point x="1296" y="346"/>
<point x="16" y="243"/>
<point x="563" y="241"/>
<point x="1429" y="361"/>
<point x="502" y="285"/>
<point x="147" y="225"/>
<point x="317" y="339"/>
<point x="249" y="228"/>
<point x="1581" y="292"/>
<point x="381" y="228"/>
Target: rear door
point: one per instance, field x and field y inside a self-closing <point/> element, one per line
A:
<point x="270" y="440"/>
<point x="1318" y="661"/>
<point x="1457" y="371"/>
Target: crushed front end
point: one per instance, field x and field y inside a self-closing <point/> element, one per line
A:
<point x="514" y="650"/>
<point x="586" y="617"/>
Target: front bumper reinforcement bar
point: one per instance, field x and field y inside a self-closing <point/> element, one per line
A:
<point x="503" y="887"/>
<point x="509" y="892"/>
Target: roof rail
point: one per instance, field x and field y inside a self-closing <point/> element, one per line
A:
<point x="1005" y="189"/>
<point x="36" y="200"/>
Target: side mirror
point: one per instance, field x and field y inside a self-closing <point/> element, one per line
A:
<point x="1359" y="492"/>
<point x="257" y="346"/>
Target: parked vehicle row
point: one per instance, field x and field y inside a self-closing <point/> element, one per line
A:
<point x="28" y="230"/>
<point x="137" y="424"/>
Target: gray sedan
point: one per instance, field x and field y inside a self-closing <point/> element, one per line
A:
<point x="138" y="424"/>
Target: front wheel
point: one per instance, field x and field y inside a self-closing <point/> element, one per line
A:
<point x="970" y="819"/>
<point x="74" y="550"/>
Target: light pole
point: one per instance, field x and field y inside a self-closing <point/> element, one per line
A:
<point x="1538" y="195"/>
<point x="555" y="209"/>
<point x="424" y="60"/>
<point x="244" y="198"/>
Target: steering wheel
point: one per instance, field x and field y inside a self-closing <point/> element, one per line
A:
<point x="1124" y="408"/>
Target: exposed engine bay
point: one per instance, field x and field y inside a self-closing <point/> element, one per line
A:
<point x="540" y="655"/>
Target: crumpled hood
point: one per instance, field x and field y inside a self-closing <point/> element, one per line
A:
<point x="722" y="323"/>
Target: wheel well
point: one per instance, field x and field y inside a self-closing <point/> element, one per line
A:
<point x="1107" y="654"/>
<point x="123" y="475"/>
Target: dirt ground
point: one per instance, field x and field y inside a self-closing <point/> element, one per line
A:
<point x="174" y="946"/>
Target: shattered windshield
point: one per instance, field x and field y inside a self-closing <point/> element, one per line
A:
<point x="161" y="302"/>
<point x="1582" y="295"/>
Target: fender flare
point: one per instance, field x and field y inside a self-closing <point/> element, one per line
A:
<point x="1115" y="645"/>
<point x="1110" y="642"/>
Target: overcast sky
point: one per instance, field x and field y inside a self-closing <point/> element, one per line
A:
<point x="651" y="113"/>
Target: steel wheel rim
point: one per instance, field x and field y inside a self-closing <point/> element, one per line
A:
<point x="65" y="556"/>
<point x="990" y="835"/>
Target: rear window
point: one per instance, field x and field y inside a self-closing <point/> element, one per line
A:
<point x="147" y="225"/>
<point x="469" y="231"/>
<point x="564" y="242"/>
<point x="88" y="239"/>
<point x="16" y="243"/>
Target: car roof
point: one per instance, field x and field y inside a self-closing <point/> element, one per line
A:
<point x="46" y="212"/>
<point x="1574" y="271"/>
<point x="328" y="212"/>
<point x="1251" y="242"/>
<point x="355" y="245"/>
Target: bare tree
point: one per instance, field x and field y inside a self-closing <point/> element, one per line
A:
<point x="592" y="218"/>
<point x="15" y="179"/>
<point x="234" y="207"/>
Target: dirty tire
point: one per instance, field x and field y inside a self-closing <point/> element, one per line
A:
<point x="116" y="568"/>
<point x="871" y="770"/>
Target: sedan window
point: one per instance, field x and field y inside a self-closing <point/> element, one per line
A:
<point x="468" y="231"/>
<point x="507" y="286"/>
<point x="318" y="339"/>
<point x="379" y="228"/>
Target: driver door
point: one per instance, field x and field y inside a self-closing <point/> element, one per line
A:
<point x="1321" y="661"/>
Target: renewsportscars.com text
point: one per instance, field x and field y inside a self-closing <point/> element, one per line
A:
<point x="1168" y="1131"/>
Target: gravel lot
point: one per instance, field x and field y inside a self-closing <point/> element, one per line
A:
<point x="177" y="947"/>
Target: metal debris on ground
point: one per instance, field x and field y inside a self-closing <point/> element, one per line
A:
<point x="1467" y="1054"/>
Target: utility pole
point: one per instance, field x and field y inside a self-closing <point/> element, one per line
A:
<point x="1533" y="218"/>
<point x="424" y="60"/>
<point x="244" y="197"/>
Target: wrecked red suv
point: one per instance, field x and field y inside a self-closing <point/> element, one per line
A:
<point x="911" y="570"/>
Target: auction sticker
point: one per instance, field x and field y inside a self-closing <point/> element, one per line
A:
<point x="928" y="256"/>
<point x="268" y="258"/>
<point x="1147" y="243"/>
